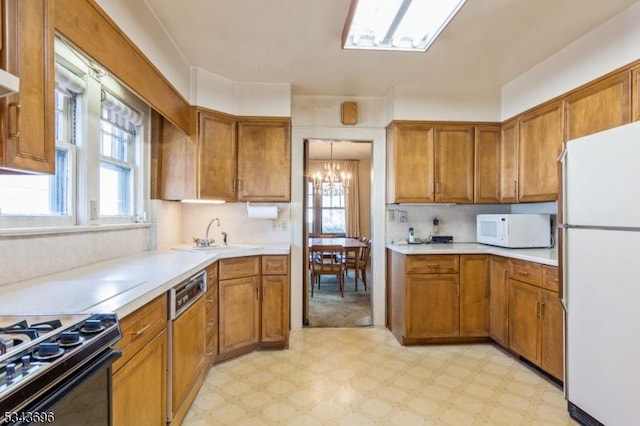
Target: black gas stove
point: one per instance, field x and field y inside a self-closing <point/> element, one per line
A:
<point x="43" y="358"/>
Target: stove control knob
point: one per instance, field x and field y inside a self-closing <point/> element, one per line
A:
<point x="10" y="371"/>
<point x="69" y="337"/>
<point x="26" y="362"/>
<point x="48" y="349"/>
<point x="92" y="325"/>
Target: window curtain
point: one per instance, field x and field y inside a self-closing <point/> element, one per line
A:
<point x="67" y="82"/>
<point x="352" y="199"/>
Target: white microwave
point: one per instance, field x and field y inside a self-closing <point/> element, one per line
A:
<point x="514" y="230"/>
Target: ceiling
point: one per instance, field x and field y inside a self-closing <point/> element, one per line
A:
<point x="487" y="44"/>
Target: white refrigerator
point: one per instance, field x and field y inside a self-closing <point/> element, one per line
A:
<point x="601" y="276"/>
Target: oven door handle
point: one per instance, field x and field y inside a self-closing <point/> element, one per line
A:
<point x="51" y="399"/>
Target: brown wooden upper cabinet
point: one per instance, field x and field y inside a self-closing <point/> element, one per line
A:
<point x="246" y="159"/>
<point x="410" y="163"/>
<point x="635" y="93"/>
<point x="509" y="162"/>
<point x="454" y="155"/>
<point x="487" y="164"/>
<point x="539" y="145"/>
<point x="602" y="105"/>
<point x="28" y="143"/>
<point x="217" y="156"/>
<point x="429" y="163"/>
<point x="264" y="160"/>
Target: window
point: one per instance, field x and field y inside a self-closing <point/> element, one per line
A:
<point x="326" y="213"/>
<point x="100" y="154"/>
<point x="118" y="127"/>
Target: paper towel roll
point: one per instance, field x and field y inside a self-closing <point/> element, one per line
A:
<point x="262" y="212"/>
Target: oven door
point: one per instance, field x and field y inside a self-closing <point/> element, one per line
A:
<point x="82" y="399"/>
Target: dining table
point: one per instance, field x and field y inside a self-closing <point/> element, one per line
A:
<point x="350" y="244"/>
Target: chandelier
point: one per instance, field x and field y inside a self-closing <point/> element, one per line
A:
<point x="332" y="180"/>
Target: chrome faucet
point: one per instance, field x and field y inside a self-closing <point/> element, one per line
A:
<point x="206" y="242"/>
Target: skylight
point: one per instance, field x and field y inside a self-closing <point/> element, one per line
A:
<point x="408" y="25"/>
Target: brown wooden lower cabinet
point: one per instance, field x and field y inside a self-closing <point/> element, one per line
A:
<point x="139" y="387"/>
<point x="552" y="356"/>
<point x="239" y="311"/>
<point x="525" y="328"/>
<point x="140" y="375"/>
<point x="253" y="305"/>
<point x="536" y="322"/>
<point x="187" y="358"/>
<point x="439" y="297"/>
<point x="499" y="302"/>
<point x="468" y="297"/>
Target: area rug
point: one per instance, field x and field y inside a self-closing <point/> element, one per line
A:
<point x="328" y="309"/>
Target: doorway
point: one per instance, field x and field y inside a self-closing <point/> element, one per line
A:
<point x="338" y="211"/>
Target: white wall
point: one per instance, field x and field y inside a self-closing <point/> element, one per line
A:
<point x="444" y="103"/>
<point x="610" y="46"/>
<point x="136" y="20"/>
<point x="216" y="92"/>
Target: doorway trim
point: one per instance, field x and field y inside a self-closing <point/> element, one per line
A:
<point x="378" y="185"/>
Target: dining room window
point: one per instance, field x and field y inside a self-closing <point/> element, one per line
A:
<point x="326" y="212"/>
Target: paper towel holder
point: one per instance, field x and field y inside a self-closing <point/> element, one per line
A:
<point x="262" y="212"/>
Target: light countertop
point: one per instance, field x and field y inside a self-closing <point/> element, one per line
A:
<point x="544" y="256"/>
<point x="119" y="285"/>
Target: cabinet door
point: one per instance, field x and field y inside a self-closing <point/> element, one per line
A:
<point x="410" y="163"/>
<point x="599" y="106"/>
<point x="499" y="302"/>
<point x="187" y="351"/>
<point x="432" y="305"/>
<point x="474" y="295"/>
<point x="139" y="387"/>
<point x="487" y="164"/>
<point x="217" y="156"/>
<point x="454" y="164"/>
<point x="539" y="145"/>
<point x="275" y="309"/>
<point x="524" y="320"/>
<point x="552" y="354"/>
<point x="264" y="161"/>
<point x="176" y="161"/>
<point x="238" y="314"/>
<point x="28" y="141"/>
<point x="509" y="162"/>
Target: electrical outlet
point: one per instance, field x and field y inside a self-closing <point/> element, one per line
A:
<point x="280" y="225"/>
<point x="93" y="210"/>
<point x="402" y="215"/>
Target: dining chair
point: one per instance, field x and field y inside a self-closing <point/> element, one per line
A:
<point x="326" y="260"/>
<point x="350" y="263"/>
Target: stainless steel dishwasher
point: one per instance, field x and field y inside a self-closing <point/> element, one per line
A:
<point x="187" y="315"/>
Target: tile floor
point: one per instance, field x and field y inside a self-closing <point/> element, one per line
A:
<point x="362" y="376"/>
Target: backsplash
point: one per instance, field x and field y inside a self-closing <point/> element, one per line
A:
<point x="30" y="256"/>
<point x="235" y="222"/>
<point x="457" y="220"/>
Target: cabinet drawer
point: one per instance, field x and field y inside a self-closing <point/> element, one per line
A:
<point x="550" y="278"/>
<point x="433" y="264"/>
<point x="239" y="267"/>
<point x="526" y="272"/>
<point x="275" y="265"/>
<point x="140" y="327"/>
